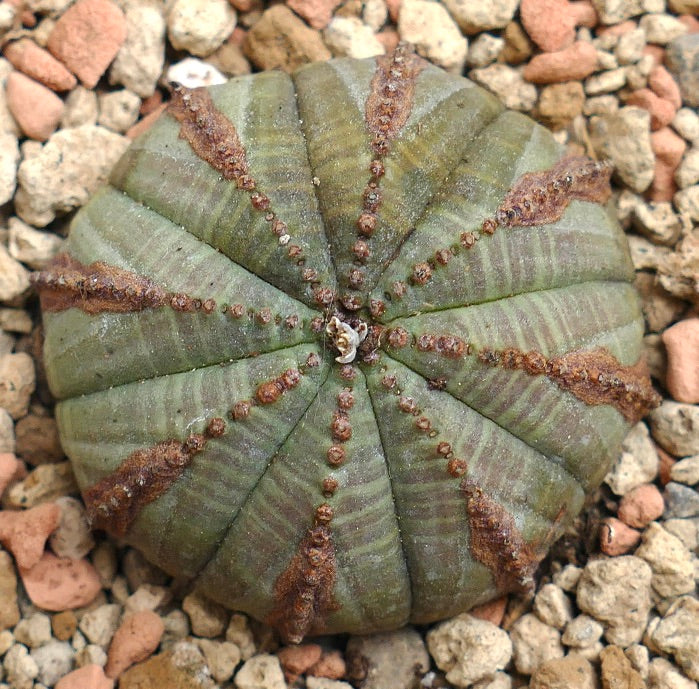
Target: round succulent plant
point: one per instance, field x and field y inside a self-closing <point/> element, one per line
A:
<point x="345" y="349"/>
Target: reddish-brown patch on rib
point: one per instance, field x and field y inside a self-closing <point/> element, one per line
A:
<point x="447" y="345"/>
<point x="211" y="135"/>
<point x="541" y="197"/>
<point x="96" y="288"/>
<point x="303" y="592"/>
<point x="594" y="376"/>
<point x="496" y="542"/>
<point x="114" y="502"/>
<point x="271" y="390"/>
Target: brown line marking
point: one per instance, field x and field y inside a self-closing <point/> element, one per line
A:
<point x="114" y="502"/>
<point x="496" y="542"/>
<point x="214" y="138"/>
<point x="303" y="592"/>
<point x="594" y="376"/>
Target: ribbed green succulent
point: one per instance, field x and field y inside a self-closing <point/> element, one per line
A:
<point x="346" y="349"/>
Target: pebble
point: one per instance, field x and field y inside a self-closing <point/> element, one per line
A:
<point x="17" y="381"/>
<point x="57" y="584"/>
<point x="147" y="597"/>
<point x="568" y="577"/>
<point x="552" y="606"/>
<point x="99" y="625"/>
<point x="9" y="158"/>
<point x="468" y="649"/>
<point x="682" y="344"/>
<point x="661" y="110"/>
<point x="681" y="59"/>
<point x="669" y="149"/>
<point x="576" y="62"/>
<point x="39" y="64"/>
<point x="518" y="48"/>
<point x="9" y="610"/>
<point x="617" y="593"/>
<point x="662" y="674"/>
<point x="7" y="435"/>
<point x="54" y="660"/>
<point x="193" y="73"/>
<point x="640" y="506"/>
<point x="281" y="40"/>
<point x="87" y="37"/>
<point x="508" y="84"/>
<point x="72" y="537"/>
<point x="474" y="16"/>
<point x="208" y="619"/>
<point x="317" y="13"/>
<point x="687" y="172"/>
<point x="260" y="671"/>
<point x="139" y="62"/>
<point x="135" y="640"/>
<point x="295" y="660"/>
<point x="434" y="33"/>
<point x="33" y="631"/>
<point x="87" y="677"/>
<point x="616" y="11"/>
<point x="686" y="124"/>
<point x="678" y="634"/>
<point x="624" y="138"/>
<point x="65" y="172"/>
<point x="664" y="86"/>
<point x="36" y="108"/>
<point x="661" y="28"/>
<point x="629" y="47"/>
<point x="239" y="633"/>
<point x="44" y="484"/>
<point x="80" y="108"/>
<point x="571" y="672"/>
<point x="222" y="657"/>
<point x="176" y="629"/>
<point x="32" y="247"/>
<point x="493" y="611"/>
<point x="687" y="201"/>
<point x="616" y="538"/>
<point x="118" y="110"/>
<point x="331" y="665"/>
<point x="64" y="625"/>
<point x="617" y="671"/>
<point x="549" y="23"/>
<point x="10" y="467"/>
<point x="200" y="26"/>
<point x="139" y="571"/>
<point x="686" y="471"/>
<point x="484" y="50"/>
<point x="350" y="37"/>
<point x="675" y="426"/>
<point x="681" y="501"/>
<point x="534" y="643"/>
<point x="389" y="660"/>
<point x="322" y="683"/>
<point x="582" y="632"/>
<point x="605" y="82"/>
<point x="560" y="104"/>
<point x="8" y="124"/>
<point x="637" y="464"/>
<point x="91" y="654"/>
<point x="20" y="668"/>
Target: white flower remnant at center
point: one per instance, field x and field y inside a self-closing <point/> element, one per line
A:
<point x="346" y="338"/>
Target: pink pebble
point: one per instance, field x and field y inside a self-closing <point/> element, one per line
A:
<point x="617" y="29"/>
<point x="10" y="469"/>
<point x="691" y="22"/>
<point x="295" y="660"/>
<point x="24" y="533"/>
<point x="641" y="505"/>
<point x="549" y="23"/>
<point x="36" y="108"/>
<point x="87" y="38"/>
<point x="492" y="611"/>
<point x="657" y="52"/>
<point x="60" y="584"/>
<point x="669" y="149"/>
<point x="39" y="64"/>
<point x="662" y="111"/>
<point x="87" y="677"/>
<point x="576" y="62"/>
<point x="616" y="538"/>
<point x="393" y="9"/>
<point x="664" y="86"/>
<point x="137" y="637"/>
<point x="317" y="13"/>
<point x="584" y="13"/>
<point x="682" y="344"/>
<point x="146" y="122"/>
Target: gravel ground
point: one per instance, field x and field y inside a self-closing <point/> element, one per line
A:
<point x="615" y="603"/>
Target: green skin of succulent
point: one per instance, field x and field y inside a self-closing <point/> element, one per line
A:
<point x="233" y="521"/>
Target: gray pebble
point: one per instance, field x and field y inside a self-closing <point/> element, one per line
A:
<point x="680" y="501"/>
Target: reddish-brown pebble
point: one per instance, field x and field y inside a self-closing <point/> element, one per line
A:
<point x="691" y="22"/>
<point x="669" y="149"/>
<point x="389" y="39"/>
<point x="295" y="660"/>
<point x="584" y="13"/>
<point x="492" y="611"/>
<point x="36" y="108"/>
<point x="331" y="666"/>
<point x="39" y="64"/>
<point x="662" y="111"/>
<point x="664" y="86"/>
<point x="10" y="468"/>
<point x="640" y="506"/>
<point x="146" y="122"/>
<point x="86" y="677"/>
<point x="576" y="62"/>
<point x="393" y="9"/>
<point x="317" y="13"/>
<point x="664" y="465"/>
<point x="87" y="37"/>
<point x="682" y="344"/>
<point x="137" y="637"/>
<point x="60" y="584"/>
<point x="616" y="538"/>
<point x="617" y="29"/>
<point x="656" y="51"/>
<point x="549" y="23"/>
<point x="242" y="5"/>
<point x="25" y="533"/>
